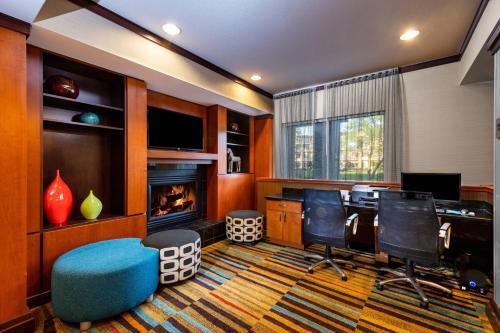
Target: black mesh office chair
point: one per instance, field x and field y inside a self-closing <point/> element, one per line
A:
<point x="409" y="228"/>
<point x="325" y="222"/>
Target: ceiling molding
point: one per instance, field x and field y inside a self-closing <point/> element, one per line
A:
<point x="472" y="28"/>
<point x="493" y="41"/>
<point x="430" y="63"/>
<point x="133" y="27"/>
<point x="15" y="24"/>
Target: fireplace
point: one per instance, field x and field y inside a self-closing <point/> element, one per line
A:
<point x="176" y="195"/>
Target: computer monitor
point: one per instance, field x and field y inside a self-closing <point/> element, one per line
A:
<point x="443" y="186"/>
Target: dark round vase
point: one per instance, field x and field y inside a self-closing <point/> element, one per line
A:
<point x="61" y="86"/>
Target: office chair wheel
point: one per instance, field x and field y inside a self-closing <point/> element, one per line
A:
<point x="379" y="286"/>
<point x="344" y="278"/>
<point x="424" y="304"/>
<point x="448" y="295"/>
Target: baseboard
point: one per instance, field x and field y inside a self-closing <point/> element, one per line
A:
<point x="493" y="313"/>
<point x="40" y="299"/>
<point x="25" y="323"/>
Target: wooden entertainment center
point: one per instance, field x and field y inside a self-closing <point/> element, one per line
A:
<point x="111" y="158"/>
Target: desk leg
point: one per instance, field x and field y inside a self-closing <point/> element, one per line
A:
<point x="380" y="257"/>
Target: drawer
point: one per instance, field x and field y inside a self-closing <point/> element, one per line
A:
<point x="284" y="206"/>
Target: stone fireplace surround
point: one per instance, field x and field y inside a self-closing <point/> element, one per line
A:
<point x="193" y="218"/>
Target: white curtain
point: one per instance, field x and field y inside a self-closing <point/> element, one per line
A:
<point x="326" y="108"/>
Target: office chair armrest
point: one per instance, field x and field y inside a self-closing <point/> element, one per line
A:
<point x="375" y="221"/>
<point x="352" y="221"/>
<point x="445" y="234"/>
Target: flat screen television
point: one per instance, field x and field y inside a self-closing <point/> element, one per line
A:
<point x="443" y="186"/>
<point x="174" y="130"/>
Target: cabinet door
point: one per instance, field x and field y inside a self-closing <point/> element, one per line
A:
<point x="274" y="224"/>
<point x="292" y="228"/>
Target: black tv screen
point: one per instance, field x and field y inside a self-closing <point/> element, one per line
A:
<point x="443" y="186"/>
<point x="173" y="130"/>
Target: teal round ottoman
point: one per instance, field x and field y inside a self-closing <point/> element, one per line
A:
<point x="103" y="279"/>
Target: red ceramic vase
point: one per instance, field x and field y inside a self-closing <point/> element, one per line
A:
<point x="57" y="201"/>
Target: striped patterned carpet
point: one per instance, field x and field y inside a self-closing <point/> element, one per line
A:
<point x="265" y="288"/>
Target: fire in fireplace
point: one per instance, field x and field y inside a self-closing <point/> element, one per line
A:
<point x="173" y="198"/>
<point x="176" y="195"/>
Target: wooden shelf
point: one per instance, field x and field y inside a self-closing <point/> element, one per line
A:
<point x="237" y="133"/>
<point x="73" y="104"/>
<point x="73" y="222"/>
<point x="237" y="145"/>
<point x="56" y="122"/>
<point x="159" y="154"/>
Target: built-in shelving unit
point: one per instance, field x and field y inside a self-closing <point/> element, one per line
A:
<point x="89" y="156"/>
<point x="238" y="140"/>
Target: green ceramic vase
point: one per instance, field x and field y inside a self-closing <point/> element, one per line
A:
<point x="91" y="207"/>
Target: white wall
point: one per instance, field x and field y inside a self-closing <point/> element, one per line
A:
<point x="449" y="126"/>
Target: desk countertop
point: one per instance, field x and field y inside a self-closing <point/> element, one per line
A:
<point x="482" y="210"/>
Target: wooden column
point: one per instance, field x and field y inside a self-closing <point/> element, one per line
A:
<point x="136" y="146"/>
<point x="263" y="147"/>
<point x="13" y="170"/>
<point x="216" y="144"/>
<point x="34" y="172"/>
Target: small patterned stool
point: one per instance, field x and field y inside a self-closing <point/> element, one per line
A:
<point x="180" y="253"/>
<point x="244" y="226"/>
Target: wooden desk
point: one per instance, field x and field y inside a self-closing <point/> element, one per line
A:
<point x="474" y="233"/>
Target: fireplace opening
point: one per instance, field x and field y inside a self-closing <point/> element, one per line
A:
<point x="176" y="195"/>
<point x="173" y="198"/>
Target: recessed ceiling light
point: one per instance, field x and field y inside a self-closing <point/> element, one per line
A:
<point x="255" y="77"/>
<point x="171" y="29"/>
<point x="409" y="35"/>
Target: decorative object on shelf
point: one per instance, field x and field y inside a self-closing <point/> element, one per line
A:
<point x="234" y="127"/>
<point x="89" y="118"/>
<point x="57" y="201"/>
<point x="91" y="207"/>
<point x="62" y="86"/>
<point x="231" y="160"/>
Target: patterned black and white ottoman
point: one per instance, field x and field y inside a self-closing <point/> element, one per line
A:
<point x="244" y="226"/>
<point x="180" y="253"/>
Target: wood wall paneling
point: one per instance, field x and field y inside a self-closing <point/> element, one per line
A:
<point x="263" y="135"/>
<point x="34" y="264"/>
<point x="170" y="103"/>
<point x="13" y="168"/>
<point x="136" y="146"/>
<point x="58" y="242"/>
<point x="236" y="191"/>
<point x="34" y="144"/>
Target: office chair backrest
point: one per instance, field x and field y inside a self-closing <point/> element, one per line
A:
<point x="408" y="226"/>
<point x="324" y="217"/>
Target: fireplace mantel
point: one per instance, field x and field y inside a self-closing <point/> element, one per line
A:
<point x="176" y="157"/>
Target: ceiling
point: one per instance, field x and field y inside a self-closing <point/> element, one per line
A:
<point x="295" y="43"/>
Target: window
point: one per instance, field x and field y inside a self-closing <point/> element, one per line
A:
<point x="303" y="151"/>
<point x="361" y="148"/>
<point x="350" y="148"/>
